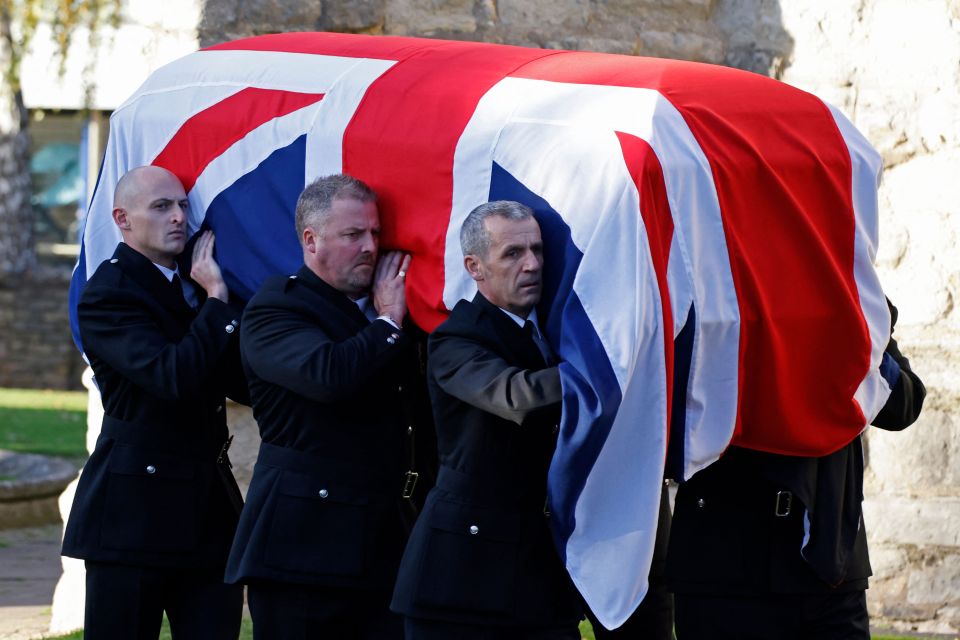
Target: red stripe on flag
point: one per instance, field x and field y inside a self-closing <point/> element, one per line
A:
<point x="784" y="186"/>
<point x="214" y="130"/>
<point x="402" y="141"/>
<point x="647" y="174"/>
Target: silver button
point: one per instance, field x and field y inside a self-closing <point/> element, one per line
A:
<point x="474" y="529"/>
<point x="293" y="277"/>
<point x="391" y="340"/>
<point x="151" y="468"/>
<point x="409" y="430"/>
<point x="219" y="408"/>
<point x="701" y="503"/>
<point x="114" y="260"/>
<point x="399" y="387"/>
<point x="324" y="493"/>
<point x="229" y="328"/>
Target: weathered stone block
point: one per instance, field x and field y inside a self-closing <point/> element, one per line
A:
<point x="542" y="16"/>
<point x="917" y="521"/>
<point x="280" y="15"/>
<point x="429" y="17"/>
<point x="366" y="16"/>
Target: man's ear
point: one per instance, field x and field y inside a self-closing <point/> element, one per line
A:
<point x="310" y="240"/>
<point x="473" y="267"/>
<point x="120" y="218"/>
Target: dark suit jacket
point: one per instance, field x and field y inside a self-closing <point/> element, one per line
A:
<point x="481" y="551"/>
<point x="151" y="493"/>
<point x="329" y="391"/>
<point x="725" y="537"/>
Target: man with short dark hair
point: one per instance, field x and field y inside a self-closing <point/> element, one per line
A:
<point x="331" y="374"/>
<point x="156" y="506"/>
<point x="481" y="563"/>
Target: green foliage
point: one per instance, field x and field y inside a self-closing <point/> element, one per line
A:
<point x="47" y="422"/>
<point x="19" y="20"/>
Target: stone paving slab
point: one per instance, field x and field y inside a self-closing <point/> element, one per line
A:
<point x="29" y="569"/>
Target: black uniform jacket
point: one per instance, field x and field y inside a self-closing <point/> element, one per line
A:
<point x="481" y="552"/>
<point x="727" y="536"/>
<point x="329" y="391"/>
<point x="151" y="493"/>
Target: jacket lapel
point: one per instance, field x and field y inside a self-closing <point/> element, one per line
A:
<point x="139" y="268"/>
<point x="338" y="299"/>
<point x="521" y="346"/>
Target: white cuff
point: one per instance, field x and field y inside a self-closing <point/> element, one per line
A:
<point x="390" y="321"/>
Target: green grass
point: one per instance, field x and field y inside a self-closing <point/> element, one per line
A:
<point x="52" y="423"/>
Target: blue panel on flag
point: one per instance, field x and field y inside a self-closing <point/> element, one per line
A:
<point x="589" y="383"/>
<point x="254" y="221"/>
<point x="78" y="283"/>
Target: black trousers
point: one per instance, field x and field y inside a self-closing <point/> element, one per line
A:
<point x="420" y="629"/>
<point x="283" y="611"/>
<point x="831" y="616"/>
<point x="127" y="603"/>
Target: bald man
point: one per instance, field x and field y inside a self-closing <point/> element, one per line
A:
<point x="156" y="506"/>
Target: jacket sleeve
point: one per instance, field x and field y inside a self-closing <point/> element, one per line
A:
<point x="118" y="327"/>
<point x="906" y="397"/>
<point x="288" y="349"/>
<point x="474" y="374"/>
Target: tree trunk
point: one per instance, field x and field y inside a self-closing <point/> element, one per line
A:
<point x="16" y="213"/>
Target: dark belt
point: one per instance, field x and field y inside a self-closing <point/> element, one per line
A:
<point x="777" y="503"/>
<point x="313" y="464"/>
<point x="498" y="490"/>
<point x="191" y="445"/>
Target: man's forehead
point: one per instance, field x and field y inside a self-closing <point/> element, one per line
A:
<point x="352" y="212"/>
<point x="501" y="229"/>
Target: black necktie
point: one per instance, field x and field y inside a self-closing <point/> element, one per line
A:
<point x="531" y="330"/>
<point x="176" y="286"/>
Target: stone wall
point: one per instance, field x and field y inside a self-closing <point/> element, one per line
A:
<point x="36" y="348"/>
<point x="894" y="67"/>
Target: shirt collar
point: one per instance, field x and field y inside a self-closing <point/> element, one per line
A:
<point x="521" y="321"/>
<point x="168" y="273"/>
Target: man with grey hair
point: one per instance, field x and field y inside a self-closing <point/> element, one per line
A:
<point x="481" y="563"/>
<point x="321" y="535"/>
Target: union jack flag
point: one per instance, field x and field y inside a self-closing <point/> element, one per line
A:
<point x="710" y="237"/>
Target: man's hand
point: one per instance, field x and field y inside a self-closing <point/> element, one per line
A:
<point x="205" y="270"/>
<point x="389" y="297"/>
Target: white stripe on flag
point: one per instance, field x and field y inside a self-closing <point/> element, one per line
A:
<point x="867" y="166"/>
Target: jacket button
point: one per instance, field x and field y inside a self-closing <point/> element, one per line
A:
<point x="151" y="468"/>
<point x="229" y="328"/>
<point x="701" y="503"/>
<point x="114" y="261"/>
<point x="391" y="340"/>
<point x="409" y="430"/>
<point x="219" y="408"/>
<point x="323" y="493"/>
<point x="293" y="277"/>
<point x="474" y="529"/>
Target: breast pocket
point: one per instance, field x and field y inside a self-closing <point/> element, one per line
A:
<point x="470" y="559"/>
<point x="317" y="527"/>
<point x="151" y="501"/>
